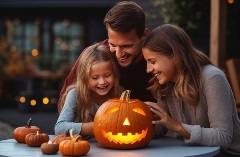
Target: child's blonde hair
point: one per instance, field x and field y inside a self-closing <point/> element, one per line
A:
<point x="93" y="54"/>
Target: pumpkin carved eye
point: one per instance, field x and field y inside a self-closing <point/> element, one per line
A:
<point x="111" y="110"/>
<point x="139" y="110"/>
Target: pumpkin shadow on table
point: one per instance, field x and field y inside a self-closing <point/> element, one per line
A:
<point x="149" y="146"/>
<point x="155" y="143"/>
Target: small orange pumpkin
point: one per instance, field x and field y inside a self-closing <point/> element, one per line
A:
<point x="123" y="123"/>
<point x="76" y="147"/>
<point x="67" y="136"/>
<point x="20" y="133"/>
<point x="36" y="139"/>
<point x="49" y="148"/>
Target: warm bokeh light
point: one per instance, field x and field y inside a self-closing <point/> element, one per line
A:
<point x="22" y="99"/>
<point x="45" y="100"/>
<point x="76" y="42"/>
<point x="33" y="102"/>
<point x="66" y="22"/>
<point x="35" y="52"/>
<point x="230" y="1"/>
<point x="53" y="100"/>
<point x="58" y="40"/>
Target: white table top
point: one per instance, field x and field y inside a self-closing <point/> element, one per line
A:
<point x="161" y="147"/>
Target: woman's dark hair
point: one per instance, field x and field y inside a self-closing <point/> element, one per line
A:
<point x="170" y="40"/>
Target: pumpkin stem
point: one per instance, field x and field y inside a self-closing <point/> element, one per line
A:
<point x="125" y="95"/>
<point x="71" y="133"/>
<point x="79" y="137"/>
<point x="29" y="123"/>
<point x="67" y="133"/>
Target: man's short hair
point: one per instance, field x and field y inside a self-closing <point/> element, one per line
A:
<point x="124" y="17"/>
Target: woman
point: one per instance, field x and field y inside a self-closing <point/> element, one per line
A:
<point x="195" y="99"/>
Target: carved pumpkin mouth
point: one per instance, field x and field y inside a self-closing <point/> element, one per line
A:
<point x="125" y="139"/>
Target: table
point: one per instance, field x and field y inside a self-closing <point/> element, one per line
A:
<point x="161" y="147"/>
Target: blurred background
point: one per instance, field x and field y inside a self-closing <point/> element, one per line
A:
<point x="40" y="41"/>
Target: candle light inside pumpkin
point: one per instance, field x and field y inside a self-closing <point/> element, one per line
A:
<point x="49" y="147"/>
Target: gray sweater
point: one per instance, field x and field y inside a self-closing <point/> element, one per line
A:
<point x="214" y="121"/>
<point x="66" y="119"/>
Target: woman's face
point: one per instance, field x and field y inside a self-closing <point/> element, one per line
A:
<point x="162" y="67"/>
<point x="101" y="78"/>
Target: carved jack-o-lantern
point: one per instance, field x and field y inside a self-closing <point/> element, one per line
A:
<point x="123" y="123"/>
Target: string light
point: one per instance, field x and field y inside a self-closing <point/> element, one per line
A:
<point x="33" y="102"/>
<point x="230" y="1"/>
<point x="45" y="100"/>
<point x="34" y="52"/>
<point x="22" y="99"/>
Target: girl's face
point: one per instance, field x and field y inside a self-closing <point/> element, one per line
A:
<point x="162" y="67"/>
<point x="101" y="78"/>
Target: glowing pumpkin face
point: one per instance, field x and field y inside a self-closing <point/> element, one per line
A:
<point x="123" y="123"/>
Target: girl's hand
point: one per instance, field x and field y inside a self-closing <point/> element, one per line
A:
<point x="165" y="120"/>
<point x="87" y="129"/>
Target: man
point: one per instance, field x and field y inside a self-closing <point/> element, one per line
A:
<point x="125" y="24"/>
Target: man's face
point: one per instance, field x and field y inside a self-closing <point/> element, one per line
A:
<point x="125" y="46"/>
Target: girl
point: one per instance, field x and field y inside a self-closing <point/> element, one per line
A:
<point x="97" y="81"/>
<point x="195" y="99"/>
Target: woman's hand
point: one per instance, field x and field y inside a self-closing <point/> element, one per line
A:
<point x="164" y="119"/>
